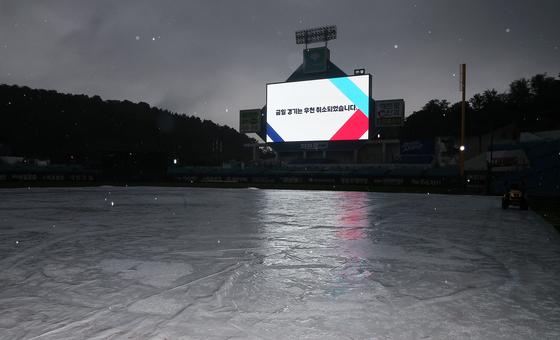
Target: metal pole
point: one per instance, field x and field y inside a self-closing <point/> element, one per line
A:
<point x="463" y="107"/>
<point x="489" y="179"/>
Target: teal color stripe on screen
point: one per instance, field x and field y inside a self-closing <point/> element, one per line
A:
<point x="353" y="92"/>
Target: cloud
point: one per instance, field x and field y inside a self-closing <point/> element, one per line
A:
<point x="206" y="56"/>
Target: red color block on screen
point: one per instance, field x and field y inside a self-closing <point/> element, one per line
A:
<point x="354" y="128"/>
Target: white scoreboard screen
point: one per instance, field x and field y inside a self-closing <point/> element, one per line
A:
<point x="318" y="110"/>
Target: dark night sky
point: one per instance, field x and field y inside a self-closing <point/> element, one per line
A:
<point x="213" y="58"/>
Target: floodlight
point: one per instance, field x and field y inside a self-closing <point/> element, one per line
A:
<point x="313" y="35"/>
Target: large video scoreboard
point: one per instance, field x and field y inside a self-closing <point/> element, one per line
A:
<point x="330" y="109"/>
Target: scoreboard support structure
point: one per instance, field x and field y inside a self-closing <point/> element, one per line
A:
<point x="321" y="114"/>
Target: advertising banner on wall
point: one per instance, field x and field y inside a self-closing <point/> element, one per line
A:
<point x="508" y="160"/>
<point x="319" y="110"/>
<point x="417" y="147"/>
<point x="389" y="112"/>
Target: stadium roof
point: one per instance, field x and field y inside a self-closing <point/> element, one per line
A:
<point x="332" y="72"/>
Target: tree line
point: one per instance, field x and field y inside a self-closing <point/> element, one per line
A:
<point x="529" y="104"/>
<point x="134" y="139"/>
<point x="120" y="136"/>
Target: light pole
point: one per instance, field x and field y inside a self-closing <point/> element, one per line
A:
<point x="463" y="107"/>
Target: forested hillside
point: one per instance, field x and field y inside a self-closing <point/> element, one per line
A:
<point x="110" y="134"/>
<point x="530" y="104"/>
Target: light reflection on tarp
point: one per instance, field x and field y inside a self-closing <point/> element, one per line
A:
<point x="314" y="239"/>
<point x="353" y="219"/>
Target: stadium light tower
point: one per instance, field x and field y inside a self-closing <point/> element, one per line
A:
<point x="314" y="35"/>
<point x="315" y="60"/>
